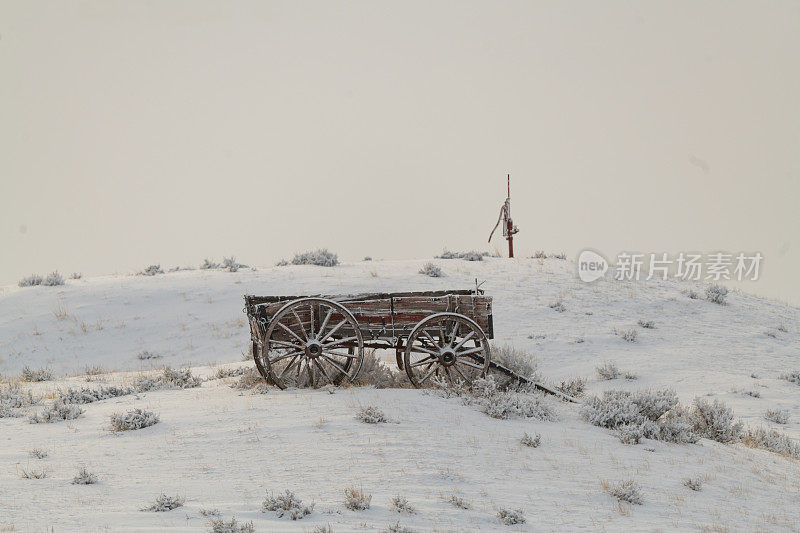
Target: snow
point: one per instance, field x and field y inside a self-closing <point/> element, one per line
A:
<point x="222" y="448"/>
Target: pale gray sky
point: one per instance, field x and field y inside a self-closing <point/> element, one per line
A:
<point x="165" y="132"/>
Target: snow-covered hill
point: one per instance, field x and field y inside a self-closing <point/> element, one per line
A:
<point x="223" y="448"/>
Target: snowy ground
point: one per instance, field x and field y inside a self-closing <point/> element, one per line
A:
<point x="223" y="448"/>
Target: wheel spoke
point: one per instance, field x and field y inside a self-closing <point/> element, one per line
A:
<point x="285" y="356"/>
<point x="427" y="360"/>
<point x="325" y="322"/>
<point x="467" y="363"/>
<point x="465" y="339"/>
<point x="334" y="330"/>
<point x="311" y="324"/>
<point x="300" y="323"/>
<point x="292" y="333"/>
<point x="420" y="348"/>
<point x="429" y="374"/>
<point x="336" y="365"/>
<point x="324" y="372"/>
<point x="424" y="332"/>
<point x="455" y="367"/>
<point x="284" y="344"/>
<point x="340" y="341"/>
<point x="471" y="350"/>
<point x="291" y="363"/>
<point x="455" y="330"/>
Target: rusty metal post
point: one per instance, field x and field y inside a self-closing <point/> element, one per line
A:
<point x="509" y="229"/>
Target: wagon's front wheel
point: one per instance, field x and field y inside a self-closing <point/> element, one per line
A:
<point x="449" y="346"/>
<point x="311" y="342"/>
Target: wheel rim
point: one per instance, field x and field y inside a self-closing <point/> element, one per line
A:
<point x="446" y="346"/>
<point x="312" y="342"/>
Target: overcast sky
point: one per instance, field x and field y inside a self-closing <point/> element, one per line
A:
<point x="146" y="132"/>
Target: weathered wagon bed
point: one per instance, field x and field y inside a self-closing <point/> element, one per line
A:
<point x="317" y="340"/>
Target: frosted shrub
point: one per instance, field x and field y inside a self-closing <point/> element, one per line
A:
<point x="468" y="256"/>
<point x="165" y="503"/>
<point x="30" y="281"/>
<point x="57" y="412"/>
<point x="693" y="295"/>
<point x="38" y="453"/>
<point x="793" y="377"/>
<point x="282" y="263"/>
<point x="647" y="324"/>
<point x="145" y="355"/>
<point x="531" y="442"/>
<point x="76" y="275"/>
<point x="374" y="372"/>
<point x="608" y="371"/>
<point x="218" y="525"/>
<point x="631" y="433"/>
<point x="33" y="473"/>
<point x="560" y="255"/>
<point x="573" y="387"/>
<point x="558" y="306"/>
<point x="11" y="397"/>
<point x="180" y="378"/>
<point x="628" y="335"/>
<point x="356" y="499"/>
<point x="519" y="362"/>
<point x="36" y="374"/>
<point x="371" y="415"/>
<point x="209" y="265"/>
<point x="626" y="491"/>
<point x="53" y="279"/>
<point x="251" y="380"/>
<point x="87" y="395"/>
<point x="716" y="294"/>
<point x="222" y="373"/>
<point x="429" y="269"/>
<point x="230" y="264"/>
<point x="133" y="419"/>
<point x="772" y="441"/>
<point x="511" y="517"/>
<point x="694" y="483"/>
<point x="539" y="254"/>
<point x="506" y="404"/>
<point x="715" y="421"/>
<point x="367" y="258"/>
<point x="399" y="504"/>
<point x="152" y="270"/>
<point x="286" y="504"/>
<point x="457" y="501"/>
<point x="779" y="416"/>
<point x="84" y="477"/>
<point x="321" y="257"/>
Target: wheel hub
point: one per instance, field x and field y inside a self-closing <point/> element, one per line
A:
<point x="447" y="356"/>
<point x="313" y="349"/>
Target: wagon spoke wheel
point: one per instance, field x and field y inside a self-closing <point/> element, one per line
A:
<point x="446" y="346"/>
<point x="312" y="342"/>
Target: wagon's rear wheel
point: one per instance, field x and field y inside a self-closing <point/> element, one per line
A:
<point x="448" y="345"/>
<point x="312" y="342"/>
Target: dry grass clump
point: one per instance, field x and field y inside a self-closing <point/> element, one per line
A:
<point x="33" y="473"/>
<point x="251" y="379"/>
<point x="371" y="415"/>
<point x="779" y="416"/>
<point x="575" y="387"/>
<point x="694" y="483"/>
<point x="374" y="372"/>
<point x="84" y="477"/>
<point x="511" y="517"/>
<point x="165" y="503"/>
<point x="531" y="442"/>
<point x="218" y="525"/>
<point x="457" y="501"/>
<point x="625" y="491"/>
<point x="38" y="453"/>
<point x="399" y="504"/>
<point x="286" y="504"/>
<point x="773" y="441"/>
<point x="36" y="374"/>
<point x="356" y="499"/>
<point x="133" y="420"/>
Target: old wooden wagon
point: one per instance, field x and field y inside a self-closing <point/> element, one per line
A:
<point x="318" y="340"/>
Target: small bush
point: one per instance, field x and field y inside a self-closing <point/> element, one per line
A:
<point x="356" y="499"/>
<point x="133" y="420"/>
<point x="519" y="362"/>
<point x="399" y="504"/>
<point x="169" y="378"/>
<point x="531" y="442"/>
<point x="779" y="416"/>
<point x="715" y="421"/>
<point x="511" y="517"/>
<point x="57" y="412"/>
<point x="209" y="265"/>
<point x="694" y="483"/>
<point x="539" y="254"/>
<point x="34" y="473"/>
<point x="84" y="477"/>
<point x="753" y="393"/>
<point x="647" y="324"/>
<point x="558" y="306"/>
<point x="574" y="387"/>
<point x="397" y="527"/>
<point x="457" y="501"/>
<point x="716" y="294"/>
<point x="152" y="270"/>
<point x="218" y="525"/>
<point x="12" y="398"/>
<point x="165" y="503"/>
<point x="371" y="415"/>
<point x="629" y="335"/>
<point x="374" y="372"/>
<point x="693" y="295"/>
<point x="251" y="380"/>
<point x="367" y="258"/>
<point x="792" y="377"/>
<point x="626" y="491"/>
<point x="321" y="257"/>
<point x="145" y="355"/>
<point x="286" y="504"/>
<point x="38" y="453"/>
<point x="76" y="275"/>
<point x="36" y="374"/>
<point x="631" y="433"/>
<point x="282" y="263"/>
<point x="53" y="279"/>
<point x="467" y="256"/>
<point x="222" y="373"/>
<point x="230" y="264"/>
<point x="30" y="281"/>
<point x="93" y="370"/>
<point x="506" y="404"/>
<point x="88" y="395"/>
<point x="782" y="328"/>
<point x="772" y="441"/>
<point x="608" y="371"/>
<point x="429" y="269"/>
